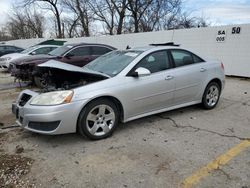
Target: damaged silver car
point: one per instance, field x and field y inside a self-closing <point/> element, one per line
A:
<point x="118" y="87"/>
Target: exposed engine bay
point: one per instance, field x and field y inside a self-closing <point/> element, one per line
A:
<point x="52" y="79"/>
<point x="21" y="72"/>
<point x="54" y="75"/>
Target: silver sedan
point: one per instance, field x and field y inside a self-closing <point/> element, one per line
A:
<point x="131" y="84"/>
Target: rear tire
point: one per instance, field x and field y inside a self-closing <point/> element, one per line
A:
<point x="211" y="95"/>
<point x="98" y="119"/>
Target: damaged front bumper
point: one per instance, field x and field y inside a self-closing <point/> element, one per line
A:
<point x="56" y="119"/>
<point x="4" y="65"/>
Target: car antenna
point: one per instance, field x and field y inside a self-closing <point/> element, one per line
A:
<point x="128" y="47"/>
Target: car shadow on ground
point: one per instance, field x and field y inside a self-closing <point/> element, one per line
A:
<point x="121" y="128"/>
<point x="147" y="121"/>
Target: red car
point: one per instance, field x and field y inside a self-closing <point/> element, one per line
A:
<point x="75" y="54"/>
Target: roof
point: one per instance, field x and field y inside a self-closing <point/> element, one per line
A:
<point x="89" y="44"/>
<point x="9" y="45"/>
<point x="52" y="42"/>
<point x="145" y="48"/>
<point x="47" y="45"/>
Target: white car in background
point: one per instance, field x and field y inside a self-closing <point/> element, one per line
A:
<point x="34" y="50"/>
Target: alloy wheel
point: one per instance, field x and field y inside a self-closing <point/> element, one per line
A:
<point x="100" y="120"/>
<point x="212" y="96"/>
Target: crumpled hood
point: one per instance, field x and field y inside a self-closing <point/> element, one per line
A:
<point x="29" y="59"/>
<point x="71" y="68"/>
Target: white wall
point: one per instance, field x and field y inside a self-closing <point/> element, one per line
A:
<point x="25" y="43"/>
<point x="234" y="52"/>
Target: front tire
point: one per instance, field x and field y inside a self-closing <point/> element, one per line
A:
<point x="211" y="95"/>
<point x="98" y="119"/>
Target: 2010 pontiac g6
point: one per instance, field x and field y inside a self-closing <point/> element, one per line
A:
<point x="118" y="87"/>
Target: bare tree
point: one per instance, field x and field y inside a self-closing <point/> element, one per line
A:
<point x="137" y="9"/>
<point x="104" y="11"/>
<point x="111" y="13"/>
<point x="120" y="7"/>
<point x="159" y="13"/>
<point x="4" y="35"/>
<point x="70" y="27"/>
<point x="186" y="20"/>
<point x="81" y="10"/>
<point x="53" y="6"/>
<point x="202" y="21"/>
<point x="35" y="22"/>
<point x="83" y="17"/>
<point x="25" y="24"/>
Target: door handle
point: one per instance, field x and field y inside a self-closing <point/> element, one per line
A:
<point x="169" y="77"/>
<point x="203" y="70"/>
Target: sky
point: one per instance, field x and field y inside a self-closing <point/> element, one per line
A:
<point x="219" y="12"/>
<point x="4" y="8"/>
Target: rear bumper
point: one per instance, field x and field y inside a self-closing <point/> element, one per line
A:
<point x="223" y="84"/>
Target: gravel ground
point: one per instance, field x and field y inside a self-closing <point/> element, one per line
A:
<point x="156" y="151"/>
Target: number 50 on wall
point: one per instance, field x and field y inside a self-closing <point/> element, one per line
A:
<point x="236" y="30"/>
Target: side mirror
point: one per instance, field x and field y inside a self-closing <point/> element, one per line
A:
<point x="140" y="72"/>
<point x="33" y="53"/>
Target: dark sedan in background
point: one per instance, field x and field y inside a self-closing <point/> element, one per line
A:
<point x="76" y="54"/>
<point x="7" y="49"/>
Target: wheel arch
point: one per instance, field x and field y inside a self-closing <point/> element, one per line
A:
<point x="116" y="101"/>
<point x="216" y="80"/>
<point x="203" y="101"/>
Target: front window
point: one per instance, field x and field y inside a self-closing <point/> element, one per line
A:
<point x="155" y="62"/>
<point x="28" y="50"/>
<point x="113" y="62"/>
<point x="61" y="50"/>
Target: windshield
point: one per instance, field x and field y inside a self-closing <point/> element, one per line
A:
<point x="60" y="51"/>
<point x="113" y="62"/>
<point x="28" y="50"/>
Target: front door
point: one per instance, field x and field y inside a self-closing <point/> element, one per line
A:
<point x="152" y="92"/>
<point x="78" y="56"/>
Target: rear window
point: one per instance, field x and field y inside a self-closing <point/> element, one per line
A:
<point x="183" y="57"/>
<point x="99" y="50"/>
<point x="80" y="51"/>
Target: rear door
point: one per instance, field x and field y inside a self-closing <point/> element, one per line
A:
<point x="190" y="74"/>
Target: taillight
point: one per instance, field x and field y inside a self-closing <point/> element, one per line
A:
<point x="222" y="66"/>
